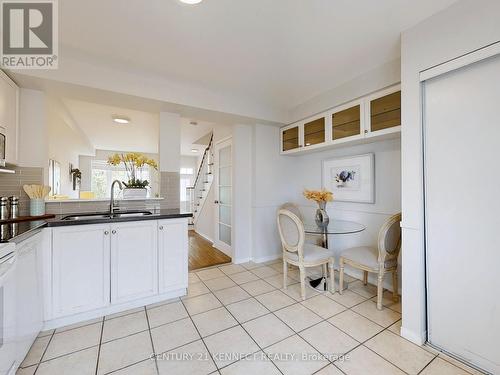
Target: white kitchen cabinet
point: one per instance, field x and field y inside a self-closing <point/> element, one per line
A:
<point x="29" y="303"/>
<point x="80" y="268"/>
<point x="134" y="260"/>
<point x="173" y="254"/>
<point x="9" y="115"/>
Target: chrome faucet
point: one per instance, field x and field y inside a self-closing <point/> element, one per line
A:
<point x="112" y="206"/>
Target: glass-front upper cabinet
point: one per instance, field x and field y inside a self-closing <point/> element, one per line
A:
<point x="290" y="138"/>
<point x="385" y="112"/>
<point x="346" y="123"/>
<point x="314" y="132"/>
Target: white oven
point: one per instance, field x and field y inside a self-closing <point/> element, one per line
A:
<point x="7" y="309"/>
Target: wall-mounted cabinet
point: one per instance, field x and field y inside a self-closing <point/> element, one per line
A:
<point x="9" y="116"/>
<point x="361" y="120"/>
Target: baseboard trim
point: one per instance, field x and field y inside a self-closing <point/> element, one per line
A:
<point x="205" y="236"/>
<point x="242" y="260"/>
<point x="414" y="337"/>
<point x="267" y="258"/>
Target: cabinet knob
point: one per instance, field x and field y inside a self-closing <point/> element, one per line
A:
<point x="106" y="232"/>
<point x="160" y="227"/>
<point x="216" y="202"/>
<point x="113" y="231"/>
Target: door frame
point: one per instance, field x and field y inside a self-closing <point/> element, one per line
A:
<point x="222" y="246"/>
<point x="486" y="52"/>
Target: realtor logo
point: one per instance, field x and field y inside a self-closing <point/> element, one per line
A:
<point x="29" y="34"/>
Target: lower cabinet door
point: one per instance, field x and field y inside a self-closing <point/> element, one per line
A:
<point x="80" y="268"/>
<point x="173" y="254"/>
<point x="134" y="260"/>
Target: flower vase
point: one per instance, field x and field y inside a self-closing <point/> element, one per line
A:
<point x="322" y="218"/>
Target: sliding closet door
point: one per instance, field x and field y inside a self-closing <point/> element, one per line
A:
<point x="462" y="184"/>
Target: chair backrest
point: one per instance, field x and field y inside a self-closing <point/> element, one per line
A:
<point x="292" y="207"/>
<point x="389" y="241"/>
<point x="292" y="234"/>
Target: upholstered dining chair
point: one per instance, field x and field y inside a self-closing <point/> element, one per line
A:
<point x="292" y="207"/>
<point x="299" y="253"/>
<point x="380" y="260"/>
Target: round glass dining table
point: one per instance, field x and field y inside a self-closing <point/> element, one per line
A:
<point x="335" y="227"/>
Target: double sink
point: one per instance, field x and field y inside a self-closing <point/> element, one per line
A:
<point x="107" y="216"/>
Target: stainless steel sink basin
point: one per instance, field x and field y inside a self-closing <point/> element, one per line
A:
<point x="104" y="216"/>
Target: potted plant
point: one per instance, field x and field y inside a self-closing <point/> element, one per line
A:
<point x="321" y="197"/>
<point x="134" y="162"/>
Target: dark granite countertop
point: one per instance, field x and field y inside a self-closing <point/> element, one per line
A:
<point x="21" y="231"/>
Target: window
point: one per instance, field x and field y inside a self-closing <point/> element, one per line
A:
<point x="104" y="174"/>
<point x="187" y="171"/>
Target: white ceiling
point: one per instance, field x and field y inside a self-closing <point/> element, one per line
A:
<point x="282" y="52"/>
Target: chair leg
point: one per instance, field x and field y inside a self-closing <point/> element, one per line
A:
<point x="395" y="296"/>
<point x="325" y="273"/>
<point x="302" y="282"/>
<point x="365" y="277"/>
<point x="380" y="289"/>
<point x="341" y="275"/>
<point x="331" y="284"/>
<point x="285" y="274"/>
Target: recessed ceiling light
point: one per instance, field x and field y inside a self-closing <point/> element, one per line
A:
<point x="191" y="2"/>
<point x="194" y="123"/>
<point x="120" y="119"/>
<point x="194" y="150"/>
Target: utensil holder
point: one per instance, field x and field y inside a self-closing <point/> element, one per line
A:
<point x="37" y="207"/>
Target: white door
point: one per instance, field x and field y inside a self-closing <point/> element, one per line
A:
<point x="223" y="194"/>
<point x="134" y="260"/>
<point x="173" y="254"/>
<point x="462" y="182"/>
<point x="80" y="268"/>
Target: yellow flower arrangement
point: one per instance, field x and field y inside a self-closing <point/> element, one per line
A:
<point x="319" y="196"/>
<point x="133" y="161"/>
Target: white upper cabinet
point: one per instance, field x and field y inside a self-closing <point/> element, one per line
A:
<point x="9" y="116"/>
<point x="134" y="260"/>
<point x="362" y="120"/>
<point x="173" y="254"/>
<point x="80" y="268"/>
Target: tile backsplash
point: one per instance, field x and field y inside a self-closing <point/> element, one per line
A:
<point x="12" y="184"/>
<point x="100" y="206"/>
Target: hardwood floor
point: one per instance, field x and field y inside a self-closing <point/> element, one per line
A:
<point x="203" y="254"/>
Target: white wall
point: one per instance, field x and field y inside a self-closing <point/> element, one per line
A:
<point x="170" y="142"/>
<point x="465" y="26"/>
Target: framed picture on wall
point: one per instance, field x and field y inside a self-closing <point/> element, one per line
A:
<point x="351" y="179"/>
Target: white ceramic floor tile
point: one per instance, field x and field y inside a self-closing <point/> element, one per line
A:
<point x="73" y="340"/>
<point x="396" y="327"/>
<point x="298" y="317"/>
<point x="78" y="325"/>
<point x="277" y="281"/>
<point x="147" y="367"/>
<point x="267" y="330"/>
<point x="219" y="283"/>
<point x="170" y="336"/>
<point x="384" y="317"/>
<point x="196" y="290"/>
<point x="205" y="302"/>
<point x="250" y="265"/>
<point x="405" y="355"/>
<point x="213" y="321"/>
<point x="193" y="278"/>
<point x="123" y="313"/>
<point x="294" y="292"/>
<point x="323" y="306"/>
<point x="257" y="287"/>
<point x="329" y="340"/>
<point x="289" y="354"/>
<point x="208" y="274"/>
<point x="48" y="332"/>
<point x="248" y="309"/>
<point x="275" y="300"/>
<point x="36" y="351"/>
<point x="83" y="362"/>
<point x="243" y="277"/>
<point x="228" y="346"/>
<point x="124" y="326"/>
<point x="27" y="370"/>
<point x="442" y="367"/>
<point x="164" y="302"/>
<point x="278" y="267"/>
<point x="231" y="269"/>
<point x="347" y="298"/>
<point x="231" y="295"/>
<point x="256" y="364"/>
<point x="363" y="361"/>
<point x="367" y="291"/>
<point x="192" y="359"/>
<point x="356" y="325"/>
<point x="388" y="302"/>
<point x="166" y="314"/>
<point x="123" y="352"/>
<point x="459" y="364"/>
<point x="329" y="370"/>
<point x="264" y="272"/>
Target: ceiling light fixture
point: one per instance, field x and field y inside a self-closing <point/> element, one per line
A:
<point x="120" y="119"/>
<point x="194" y="123"/>
<point x="191" y="2"/>
<point x="194" y="150"/>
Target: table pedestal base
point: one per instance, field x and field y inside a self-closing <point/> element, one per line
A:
<point x="321" y="284"/>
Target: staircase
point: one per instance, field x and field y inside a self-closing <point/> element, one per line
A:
<point x="197" y="194"/>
